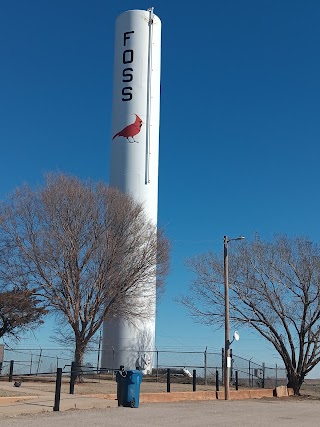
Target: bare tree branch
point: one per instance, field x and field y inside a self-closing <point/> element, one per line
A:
<point x="85" y="249"/>
<point x="274" y="289"/>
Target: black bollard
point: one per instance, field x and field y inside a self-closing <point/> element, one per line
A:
<point x="168" y="380"/>
<point x="222" y="366"/>
<point x="56" y="406"/>
<point x="11" y="370"/>
<point x="237" y="382"/>
<point x="72" y="377"/>
<point x="217" y="380"/>
<point x="194" y="380"/>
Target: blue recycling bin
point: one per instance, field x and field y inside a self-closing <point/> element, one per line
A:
<point x="128" y="388"/>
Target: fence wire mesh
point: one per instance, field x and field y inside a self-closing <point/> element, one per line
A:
<point x="35" y="362"/>
<point x="208" y="366"/>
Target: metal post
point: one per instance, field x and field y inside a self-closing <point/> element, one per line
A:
<point x="99" y="350"/>
<point x="39" y="361"/>
<point x="249" y="373"/>
<point x="217" y="380"/>
<point x="157" y="365"/>
<point x="56" y="406"/>
<point x="31" y="365"/>
<point x="227" y="320"/>
<point x="72" y="377"/>
<point x="263" y="374"/>
<point x="222" y="365"/>
<point x="112" y="363"/>
<point x="11" y="370"/>
<point x="168" y="380"/>
<point x="227" y="359"/>
<point x="276" y="375"/>
<point x="205" y="367"/>
<point x="194" y="380"/>
<point x="237" y="381"/>
<point x="252" y="376"/>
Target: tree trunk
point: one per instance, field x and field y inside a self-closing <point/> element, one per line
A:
<point x="78" y="359"/>
<point x="295" y="381"/>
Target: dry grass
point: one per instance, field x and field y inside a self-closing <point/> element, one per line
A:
<point x="310" y="389"/>
<point x="94" y="386"/>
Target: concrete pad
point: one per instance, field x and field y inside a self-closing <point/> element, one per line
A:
<point x="11" y="399"/>
<point x="44" y="400"/>
<point x="45" y="403"/>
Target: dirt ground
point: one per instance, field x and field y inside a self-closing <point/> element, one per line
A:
<point x="93" y="386"/>
<point x="310" y="389"/>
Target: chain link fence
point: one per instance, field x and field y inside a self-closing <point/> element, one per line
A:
<point x="208" y="366"/>
<point x="252" y="374"/>
<point x="35" y="362"/>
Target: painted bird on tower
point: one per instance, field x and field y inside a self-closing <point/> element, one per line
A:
<point x="131" y="130"/>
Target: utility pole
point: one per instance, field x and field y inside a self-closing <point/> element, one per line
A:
<point x="227" y="358"/>
<point x="226" y="320"/>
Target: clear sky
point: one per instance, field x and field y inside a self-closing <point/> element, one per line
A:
<point x="239" y="134"/>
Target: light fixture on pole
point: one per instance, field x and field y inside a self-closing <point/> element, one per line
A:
<point x="227" y="358"/>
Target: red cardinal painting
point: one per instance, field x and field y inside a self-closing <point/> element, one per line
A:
<point x="131" y="130"/>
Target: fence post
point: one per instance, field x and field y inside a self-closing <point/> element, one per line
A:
<point x="157" y="365"/>
<point x="237" y="381"/>
<point x="99" y="351"/>
<point x="112" y="363"/>
<point x="56" y="406"/>
<point x="168" y="380"/>
<point x="249" y="373"/>
<point x="11" y="370"/>
<point x="222" y="366"/>
<point x="205" y="366"/>
<point x="276" y="375"/>
<point x="217" y="380"/>
<point x="31" y="365"/>
<point x="263" y="373"/>
<point x="194" y="380"/>
<point x="39" y="361"/>
<point x="72" y="377"/>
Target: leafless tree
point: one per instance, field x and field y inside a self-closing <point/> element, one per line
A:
<point x="19" y="311"/>
<point x="274" y="289"/>
<point x="85" y="248"/>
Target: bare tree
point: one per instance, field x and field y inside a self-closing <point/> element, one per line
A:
<point x="85" y="249"/>
<point x="20" y="311"/>
<point x="274" y="289"/>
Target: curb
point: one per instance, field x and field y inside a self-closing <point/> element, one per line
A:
<point x="194" y="395"/>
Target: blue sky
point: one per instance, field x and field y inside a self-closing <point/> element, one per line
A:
<point x="239" y="134"/>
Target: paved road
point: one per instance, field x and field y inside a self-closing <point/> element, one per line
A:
<point x="247" y="413"/>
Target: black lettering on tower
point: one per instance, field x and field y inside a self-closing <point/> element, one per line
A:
<point x="127" y="56"/>
<point x="126" y="37"/>
<point x="128" y="75"/>
<point x="126" y="92"/>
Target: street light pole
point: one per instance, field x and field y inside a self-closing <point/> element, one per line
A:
<point x="227" y="359"/>
<point x="226" y="319"/>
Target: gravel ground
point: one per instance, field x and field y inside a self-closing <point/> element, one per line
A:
<point x="248" y="413"/>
